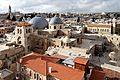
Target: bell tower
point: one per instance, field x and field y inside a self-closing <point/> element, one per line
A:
<point x="9" y="10"/>
<point x="22" y="35"/>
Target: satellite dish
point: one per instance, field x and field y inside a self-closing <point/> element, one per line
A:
<point x="112" y="55"/>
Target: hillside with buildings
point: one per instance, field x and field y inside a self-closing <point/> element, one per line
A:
<point x="59" y="46"/>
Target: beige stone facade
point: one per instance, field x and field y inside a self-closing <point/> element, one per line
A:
<point x="100" y="28"/>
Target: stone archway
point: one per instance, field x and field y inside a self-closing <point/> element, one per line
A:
<point x="19" y="40"/>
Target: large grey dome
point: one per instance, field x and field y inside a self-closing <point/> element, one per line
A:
<point x="56" y="20"/>
<point x="39" y="22"/>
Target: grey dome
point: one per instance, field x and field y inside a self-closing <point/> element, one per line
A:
<point x="56" y="20"/>
<point x="39" y="22"/>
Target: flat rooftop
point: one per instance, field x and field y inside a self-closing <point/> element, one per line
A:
<point x="3" y="47"/>
<point x="5" y="72"/>
<point x="74" y="51"/>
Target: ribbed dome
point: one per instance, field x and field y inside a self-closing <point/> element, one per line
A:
<point x="39" y="22"/>
<point x="66" y="40"/>
<point x="56" y="20"/>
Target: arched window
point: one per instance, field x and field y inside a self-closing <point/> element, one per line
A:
<point x="60" y="27"/>
<point x="20" y="31"/>
<point x="34" y="76"/>
<point x="29" y="30"/>
<point x="54" y="27"/>
<point x="26" y="31"/>
<point x="18" y="40"/>
<point x="30" y="73"/>
<point x="17" y="30"/>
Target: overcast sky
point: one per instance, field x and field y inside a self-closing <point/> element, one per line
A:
<point x="60" y="5"/>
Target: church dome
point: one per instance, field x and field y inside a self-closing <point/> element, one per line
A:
<point x="56" y="20"/>
<point x="66" y="40"/>
<point x="39" y="22"/>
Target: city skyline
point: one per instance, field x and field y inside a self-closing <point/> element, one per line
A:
<point x="61" y="6"/>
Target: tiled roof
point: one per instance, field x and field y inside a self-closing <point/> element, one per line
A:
<point x="40" y="64"/>
<point x="23" y="24"/>
<point x="81" y="61"/>
<point x="34" y="62"/>
<point x="99" y="25"/>
<point x="65" y="73"/>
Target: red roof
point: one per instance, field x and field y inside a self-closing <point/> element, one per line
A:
<point x="99" y="25"/>
<point x="59" y="56"/>
<point x="81" y="61"/>
<point x="23" y="24"/>
<point x="65" y="73"/>
<point x="97" y="75"/>
<point x="40" y="64"/>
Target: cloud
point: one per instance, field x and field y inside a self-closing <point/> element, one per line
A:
<point x="60" y="5"/>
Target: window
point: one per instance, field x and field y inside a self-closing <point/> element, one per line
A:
<point x="107" y="30"/>
<point x="30" y="73"/>
<point x="19" y="42"/>
<point x="60" y="27"/>
<point x="22" y="69"/>
<point x="17" y="30"/>
<point x="5" y="55"/>
<point x="37" y="76"/>
<point x="26" y="31"/>
<point x="54" y="27"/>
<point x="77" y="40"/>
<point x="29" y="30"/>
<point x="98" y="30"/>
<point x="20" y="31"/>
<point x="34" y="76"/>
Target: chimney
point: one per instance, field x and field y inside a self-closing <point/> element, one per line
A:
<point x="88" y="75"/>
<point x="50" y="69"/>
<point x="20" y="60"/>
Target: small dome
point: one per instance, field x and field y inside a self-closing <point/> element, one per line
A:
<point x="66" y="40"/>
<point x="56" y="20"/>
<point x="39" y="22"/>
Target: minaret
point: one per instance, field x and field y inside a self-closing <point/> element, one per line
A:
<point x="9" y="9"/>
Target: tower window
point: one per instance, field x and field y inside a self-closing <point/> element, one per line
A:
<point x="17" y="30"/>
<point x="26" y="31"/>
<point x="20" y="31"/>
<point x="5" y="55"/>
<point x="54" y="27"/>
<point x="60" y="27"/>
<point x="29" y="30"/>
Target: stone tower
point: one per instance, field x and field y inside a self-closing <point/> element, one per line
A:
<point x="114" y="25"/>
<point x="22" y="35"/>
<point x="9" y="11"/>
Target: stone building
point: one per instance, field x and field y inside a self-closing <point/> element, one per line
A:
<point x="41" y="67"/>
<point x="104" y="28"/>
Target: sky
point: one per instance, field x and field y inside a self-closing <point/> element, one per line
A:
<point x="60" y="5"/>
